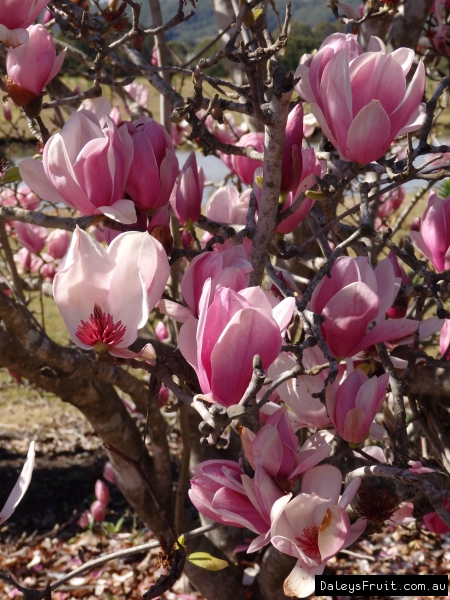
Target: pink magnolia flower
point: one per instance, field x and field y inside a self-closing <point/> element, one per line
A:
<point x="186" y="198"/>
<point x="298" y="393"/>
<point x="434" y="523"/>
<point x="225" y="205"/>
<point x="23" y="197"/>
<point x="7" y="111"/>
<point x="444" y="338"/>
<point x="102" y="108"/>
<point x="390" y="202"/>
<point x="102" y="492"/>
<point x="57" y="243"/>
<point x="355" y="295"/>
<point x="433" y="240"/>
<point x="274" y="448"/>
<point x="230" y="269"/>
<point x="213" y="343"/>
<point x="32" y="237"/>
<point x="161" y="331"/>
<point x="243" y="166"/>
<point x="361" y="100"/>
<point x="291" y="168"/>
<point x="138" y="92"/>
<point x="27" y="262"/>
<point x="353" y="405"/>
<point x="20" y="488"/>
<point x="311" y="168"/>
<point x="314" y="526"/>
<point x="108" y="472"/>
<point x="399" y="311"/>
<point x="97" y="511"/>
<point x="15" y="18"/>
<point x="220" y="491"/>
<point x="99" y="310"/>
<point x="32" y="65"/>
<point x="155" y="166"/>
<point x="86" y="167"/>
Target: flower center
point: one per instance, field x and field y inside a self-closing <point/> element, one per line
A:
<point x="100" y="328"/>
<point x="309" y="542"/>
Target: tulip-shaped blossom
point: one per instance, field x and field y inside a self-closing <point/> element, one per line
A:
<point x="15" y="16"/>
<point x="314" y="526"/>
<point x="57" y="243"/>
<point x="102" y="108"/>
<point x="361" y="100"/>
<point x="310" y="169"/>
<point x="444" y="338"/>
<point x="161" y="331"/>
<point x="27" y="262"/>
<point x="20" y="488"/>
<point x="226" y="206"/>
<point x="155" y="166"/>
<point x="399" y="311"/>
<point x="186" y="198"/>
<point x="230" y="269"/>
<point x="243" y="166"/>
<point x="86" y="167"/>
<point x="31" y="66"/>
<point x="138" y="92"/>
<point x="434" y="523"/>
<point x="355" y="295"/>
<point x="353" y="405"/>
<point x="23" y="197"/>
<point x="291" y="168"/>
<point x="298" y="393"/>
<point x="274" y="448"/>
<point x="214" y="346"/>
<point x="32" y="237"/>
<point x="390" y="202"/>
<point x="433" y="240"/>
<point x="104" y="296"/>
<point x="220" y="491"/>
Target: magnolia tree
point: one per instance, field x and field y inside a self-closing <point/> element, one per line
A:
<point x="294" y="326"/>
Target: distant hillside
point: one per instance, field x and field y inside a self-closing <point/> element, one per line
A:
<point x="202" y="25"/>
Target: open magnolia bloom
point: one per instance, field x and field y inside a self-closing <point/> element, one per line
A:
<point x="86" y="167"/>
<point x="105" y="296"/>
<point x="314" y="526"/>
<point x="212" y="344"/>
<point x="355" y="295"/>
<point x="20" y="488"/>
<point x="360" y="99"/>
<point x="15" y="16"/>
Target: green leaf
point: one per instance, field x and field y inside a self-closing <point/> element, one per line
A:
<point x="206" y="561"/>
<point x="181" y="541"/>
<point x="11" y="175"/>
<point x="257" y="12"/>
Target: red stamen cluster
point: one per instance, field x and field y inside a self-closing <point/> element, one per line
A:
<point x="100" y="328"/>
<point x="309" y="542"/>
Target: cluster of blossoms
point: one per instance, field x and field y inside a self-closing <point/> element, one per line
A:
<point x="105" y="285"/>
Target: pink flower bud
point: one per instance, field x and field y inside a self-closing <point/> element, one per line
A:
<point x="32" y="237"/>
<point x="32" y="65"/>
<point x="108" y="473"/>
<point x="7" y="111"/>
<point x="161" y="331"/>
<point x="98" y="511"/>
<point x="243" y="166"/>
<point x="292" y="154"/>
<point x="187" y="240"/>
<point x="83" y="521"/>
<point x="101" y="492"/>
<point x="163" y="396"/>
<point x="48" y="271"/>
<point x="186" y="198"/>
<point x="415" y="226"/>
<point x="57" y="243"/>
<point x="47" y="17"/>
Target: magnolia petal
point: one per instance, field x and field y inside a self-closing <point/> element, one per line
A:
<point x="300" y="582"/>
<point x="33" y="174"/>
<point x="333" y="532"/>
<point x="122" y="211"/>
<point x="21" y="486"/>
<point x="174" y="310"/>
